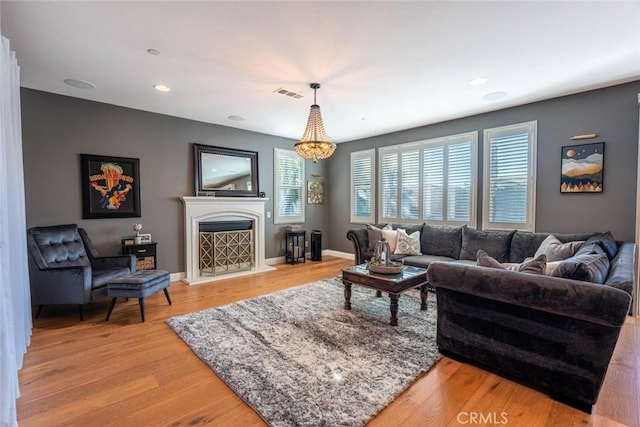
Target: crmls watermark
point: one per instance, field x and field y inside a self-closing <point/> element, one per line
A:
<point x="480" y="418"/>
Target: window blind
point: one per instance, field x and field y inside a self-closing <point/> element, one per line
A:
<point x="362" y="186"/>
<point x="509" y="177"/>
<point x="289" y="191"/>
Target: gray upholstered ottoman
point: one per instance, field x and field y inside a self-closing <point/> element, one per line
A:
<point x="139" y="284"/>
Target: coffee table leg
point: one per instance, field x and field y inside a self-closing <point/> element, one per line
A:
<point x="394" y="309"/>
<point x="347" y="296"/>
<point x="423" y="297"/>
<point x="378" y="294"/>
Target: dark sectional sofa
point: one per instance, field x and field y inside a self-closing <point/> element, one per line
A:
<point x="554" y="334"/>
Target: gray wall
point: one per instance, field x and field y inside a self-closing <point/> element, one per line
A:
<point x="612" y="113"/>
<point x="57" y="129"/>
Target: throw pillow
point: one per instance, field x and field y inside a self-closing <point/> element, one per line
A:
<point x="535" y="265"/>
<point x="408" y="244"/>
<point x="375" y="234"/>
<point x="550" y="267"/>
<point x="494" y="243"/>
<point x="606" y="242"/>
<point x="555" y="250"/>
<point x="392" y="238"/>
<point x="441" y="241"/>
<point x="586" y="267"/>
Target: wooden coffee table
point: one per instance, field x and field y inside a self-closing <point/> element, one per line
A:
<point x="392" y="284"/>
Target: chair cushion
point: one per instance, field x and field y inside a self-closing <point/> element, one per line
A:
<point x="101" y="277"/>
<point x="59" y="246"/>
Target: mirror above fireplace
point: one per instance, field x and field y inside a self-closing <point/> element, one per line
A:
<point x="224" y="172"/>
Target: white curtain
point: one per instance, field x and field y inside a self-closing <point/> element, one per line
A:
<point x="15" y="299"/>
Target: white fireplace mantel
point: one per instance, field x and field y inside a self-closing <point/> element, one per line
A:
<point x="204" y="209"/>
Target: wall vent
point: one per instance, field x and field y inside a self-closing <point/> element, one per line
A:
<point x="285" y="92"/>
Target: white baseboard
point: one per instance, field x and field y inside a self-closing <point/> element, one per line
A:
<point x="339" y="254"/>
<point x="174" y="277"/>
<point x="277" y="260"/>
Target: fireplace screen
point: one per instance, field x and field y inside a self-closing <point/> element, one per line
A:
<point x="224" y="252"/>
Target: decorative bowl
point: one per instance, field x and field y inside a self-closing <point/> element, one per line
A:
<point x="392" y="268"/>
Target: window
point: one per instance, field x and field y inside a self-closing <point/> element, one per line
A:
<point x="510" y="177"/>
<point x="289" y="187"/>
<point x="362" y="186"/>
<point x="430" y="181"/>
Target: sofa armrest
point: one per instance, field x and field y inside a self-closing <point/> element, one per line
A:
<point x="590" y="302"/>
<point x="360" y="239"/>
<point x="621" y="269"/>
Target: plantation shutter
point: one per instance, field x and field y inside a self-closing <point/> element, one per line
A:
<point x="510" y="177"/>
<point x="433" y="183"/>
<point x="459" y="167"/>
<point x="389" y="184"/>
<point x="289" y="183"/>
<point x="410" y="184"/>
<point x="362" y="186"/>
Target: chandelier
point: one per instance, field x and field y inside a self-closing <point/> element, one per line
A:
<point x="315" y="143"/>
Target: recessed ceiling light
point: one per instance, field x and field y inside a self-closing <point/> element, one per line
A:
<point x="493" y="96"/>
<point x="80" y="84"/>
<point x="478" y="81"/>
<point x="162" y="88"/>
<point x="153" y="51"/>
<point x="236" y="118"/>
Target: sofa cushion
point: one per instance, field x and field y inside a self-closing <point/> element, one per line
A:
<point x="424" y="260"/>
<point x="586" y="267"/>
<point x="590" y="248"/>
<point x="535" y="265"/>
<point x="495" y="243"/>
<point x="408" y="244"/>
<point x="525" y="244"/>
<point x="555" y="250"/>
<point x="442" y="241"/>
<point x="606" y="242"/>
<point x="375" y="234"/>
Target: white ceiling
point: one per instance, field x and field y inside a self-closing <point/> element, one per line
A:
<point x="383" y="66"/>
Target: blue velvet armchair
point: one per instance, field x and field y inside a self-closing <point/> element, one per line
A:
<point x="64" y="267"/>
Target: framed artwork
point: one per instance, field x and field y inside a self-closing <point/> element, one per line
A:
<point x="582" y="168"/>
<point x="110" y="186"/>
<point x="145" y="237"/>
<point x="315" y="193"/>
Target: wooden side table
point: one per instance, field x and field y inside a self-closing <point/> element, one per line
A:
<point x="145" y="253"/>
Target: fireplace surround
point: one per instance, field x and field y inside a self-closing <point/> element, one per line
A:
<point x="212" y="209"/>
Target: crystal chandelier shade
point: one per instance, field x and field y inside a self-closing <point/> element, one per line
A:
<point x="315" y="144"/>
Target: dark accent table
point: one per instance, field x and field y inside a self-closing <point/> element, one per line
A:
<point x="146" y="258"/>
<point x="392" y="284"/>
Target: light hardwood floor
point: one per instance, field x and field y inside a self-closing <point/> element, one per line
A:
<point x="127" y="373"/>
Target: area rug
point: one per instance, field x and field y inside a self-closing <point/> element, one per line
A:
<point x="300" y="359"/>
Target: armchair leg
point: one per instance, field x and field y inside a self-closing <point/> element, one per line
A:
<point x="80" y="306"/>
<point x="166" y="294"/>
<point x="38" y="311"/>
